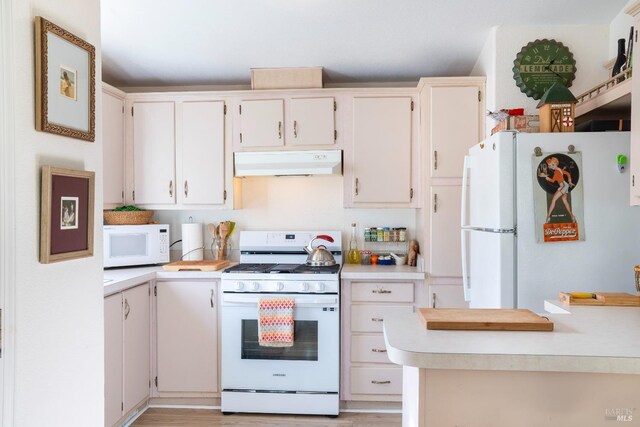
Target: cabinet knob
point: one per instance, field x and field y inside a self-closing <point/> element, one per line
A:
<point x="171" y="188"/>
<point x="279" y="130"/>
<point x="435" y="203"/>
<point x="380" y="382"/>
<point x="357" y="186"/>
<point x="295" y="129"/>
<point x="435" y="160"/>
<point x="186" y="189"/>
<point x="377" y="319"/>
<point x="127" y="309"/>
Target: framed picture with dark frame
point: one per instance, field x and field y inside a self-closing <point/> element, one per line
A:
<point x="65" y="82"/>
<point x="66" y="214"/>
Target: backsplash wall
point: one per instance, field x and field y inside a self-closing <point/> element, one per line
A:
<point x="290" y="203"/>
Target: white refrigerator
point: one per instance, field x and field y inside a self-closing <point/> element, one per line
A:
<point x="506" y="263"/>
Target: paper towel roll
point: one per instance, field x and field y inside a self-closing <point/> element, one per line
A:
<point x="192" y="242"/>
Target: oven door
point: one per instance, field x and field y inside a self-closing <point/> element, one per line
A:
<point x="312" y="364"/>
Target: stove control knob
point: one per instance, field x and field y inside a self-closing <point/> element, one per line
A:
<point x="239" y="286"/>
<point x="319" y="286"/>
<point x="304" y="286"/>
<point x="255" y="286"/>
<point x="279" y="286"/>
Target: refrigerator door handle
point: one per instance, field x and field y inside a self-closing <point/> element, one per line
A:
<point x="465" y="185"/>
<point x="463" y="230"/>
<point x="465" y="277"/>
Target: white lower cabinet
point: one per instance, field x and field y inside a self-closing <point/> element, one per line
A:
<point x="187" y="337"/>
<point x="447" y="296"/>
<point x="367" y="372"/>
<point x="127" y="355"/>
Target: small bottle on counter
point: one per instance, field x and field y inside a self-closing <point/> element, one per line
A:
<point x="353" y="256"/>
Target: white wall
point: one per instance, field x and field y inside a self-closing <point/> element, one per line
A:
<point x="486" y="66"/>
<point x="58" y="307"/>
<point x="293" y="203"/>
<point x="619" y="29"/>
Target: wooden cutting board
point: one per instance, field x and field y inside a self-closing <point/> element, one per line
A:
<point x="603" y="298"/>
<point x="480" y="319"/>
<point x="206" y="265"/>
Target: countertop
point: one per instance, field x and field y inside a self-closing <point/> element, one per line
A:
<point x="119" y="279"/>
<point x="585" y="339"/>
<point x="383" y="272"/>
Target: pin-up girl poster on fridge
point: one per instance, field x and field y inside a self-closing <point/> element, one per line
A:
<point x="559" y="209"/>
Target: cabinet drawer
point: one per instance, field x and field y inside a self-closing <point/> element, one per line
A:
<point x="368" y="318"/>
<point x="382" y="292"/>
<point x="376" y="380"/>
<point x="368" y="349"/>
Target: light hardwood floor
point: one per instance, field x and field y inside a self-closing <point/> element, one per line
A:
<point x="161" y="417"/>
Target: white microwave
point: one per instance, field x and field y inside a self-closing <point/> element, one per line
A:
<point x="126" y="245"/>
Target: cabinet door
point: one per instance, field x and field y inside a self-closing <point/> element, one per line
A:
<point x="112" y="359"/>
<point x="187" y="337"/>
<point x="382" y="150"/>
<point x="312" y="121"/>
<point x="447" y="296"/>
<point x="154" y="152"/>
<point x="262" y="123"/>
<point x="444" y="254"/>
<point x="136" y="346"/>
<point x="202" y="153"/>
<point x="454" y="126"/>
<point x="113" y="149"/>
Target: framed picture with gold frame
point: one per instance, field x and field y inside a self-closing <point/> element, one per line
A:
<point x="65" y="82"/>
<point x="66" y="214"/>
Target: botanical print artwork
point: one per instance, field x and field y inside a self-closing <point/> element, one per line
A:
<point x="558" y="197"/>
<point x="68" y="82"/>
<point x="68" y="213"/>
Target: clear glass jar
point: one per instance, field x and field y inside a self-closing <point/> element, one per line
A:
<point x="386" y="234"/>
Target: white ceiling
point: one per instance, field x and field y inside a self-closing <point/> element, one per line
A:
<point x="216" y="42"/>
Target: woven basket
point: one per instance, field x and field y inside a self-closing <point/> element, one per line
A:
<point x="127" y="217"/>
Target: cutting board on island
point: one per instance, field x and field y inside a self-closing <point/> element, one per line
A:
<point x="600" y="298"/>
<point x="206" y="265"/>
<point x="483" y="319"/>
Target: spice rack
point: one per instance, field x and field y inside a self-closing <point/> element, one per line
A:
<point x="381" y="241"/>
<point x="385" y="235"/>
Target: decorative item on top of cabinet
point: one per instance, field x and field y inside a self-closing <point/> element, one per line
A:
<point x="557" y="109"/>
<point x="288" y="121"/>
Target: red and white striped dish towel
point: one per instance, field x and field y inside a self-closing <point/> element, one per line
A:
<point x="275" y="322"/>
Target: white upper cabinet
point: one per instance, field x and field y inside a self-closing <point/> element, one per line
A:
<point x="262" y="123"/>
<point x="454" y="124"/>
<point x="312" y="121"/>
<point x="381" y="164"/>
<point x="289" y="122"/>
<point x="153" y="153"/>
<point x="202" y="149"/>
<point x="113" y="146"/>
<point x="180" y="159"/>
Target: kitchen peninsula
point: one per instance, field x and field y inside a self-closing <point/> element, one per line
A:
<point x="585" y="372"/>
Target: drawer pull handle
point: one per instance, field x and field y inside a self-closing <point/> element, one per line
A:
<point x="380" y="291"/>
<point x="377" y="319"/>
<point x="378" y="350"/>
<point x="380" y="382"/>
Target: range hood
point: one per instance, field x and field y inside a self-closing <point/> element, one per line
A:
<point x="287" y="163"/>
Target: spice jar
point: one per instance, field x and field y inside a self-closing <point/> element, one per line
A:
<point x="365" y="257"/>
<point x="386" y="234"/>
<point x="374" y="259"/>
<point x="402" y="236"/>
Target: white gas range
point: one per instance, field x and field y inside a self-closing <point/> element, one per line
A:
<point x="303" y="378"/>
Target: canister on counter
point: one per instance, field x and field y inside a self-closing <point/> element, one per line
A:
<point x="365" y="257"/>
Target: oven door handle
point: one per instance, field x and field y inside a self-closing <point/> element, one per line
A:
<point x="253" y="300"/>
